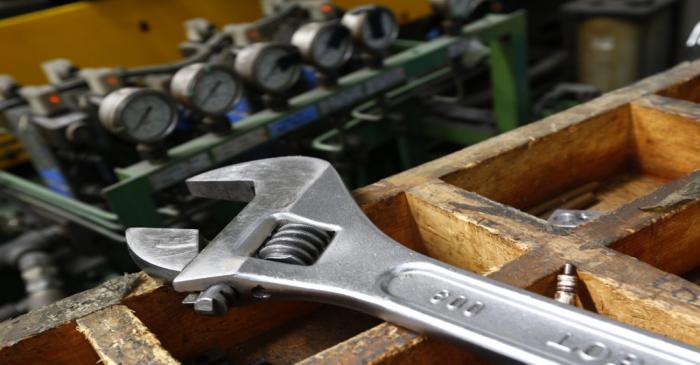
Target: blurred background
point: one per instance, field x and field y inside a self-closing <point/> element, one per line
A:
<point x="621" y="39"/>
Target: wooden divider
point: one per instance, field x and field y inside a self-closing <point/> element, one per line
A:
<point x="119" y="337"/>
<point x="632" y="153"/>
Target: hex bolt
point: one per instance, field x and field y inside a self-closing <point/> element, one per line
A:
<point x="215" y="300"/>
<point x="566" y="285"/>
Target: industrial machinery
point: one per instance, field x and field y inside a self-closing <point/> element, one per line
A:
<point x="111" y="146"/>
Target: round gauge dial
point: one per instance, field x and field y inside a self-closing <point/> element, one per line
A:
<point x="373" y="27"/>
<point x="272" y="67"/>
<point x="210" y="89"/>
<point x="325" y="45"/>
<point x="139" y="115"/>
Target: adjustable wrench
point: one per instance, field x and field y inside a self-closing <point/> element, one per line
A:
<point x="302" y="236"/>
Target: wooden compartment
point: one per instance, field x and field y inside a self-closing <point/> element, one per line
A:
<point x="600" y="164"/>
<point x="474" y="209"/>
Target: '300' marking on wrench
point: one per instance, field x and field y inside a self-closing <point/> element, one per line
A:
<point x="457" y="303"/>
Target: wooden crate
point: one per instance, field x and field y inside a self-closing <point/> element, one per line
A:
<point x="637" y="147"/>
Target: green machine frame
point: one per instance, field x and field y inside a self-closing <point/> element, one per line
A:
<point x="131" y="200"/>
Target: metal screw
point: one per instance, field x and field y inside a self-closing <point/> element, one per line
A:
<point x="566" y="285"/>
<point x="215" y="300"/>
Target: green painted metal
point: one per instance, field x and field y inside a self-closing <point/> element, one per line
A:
<point x="508" y="44"/>
<point x="132" y="199"/>
<point x="28" y="188"/>
<point x="506" y="37"/>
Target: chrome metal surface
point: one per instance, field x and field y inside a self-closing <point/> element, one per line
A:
<point x="571" y="218"/>
<point x="270" y="67"/>
<point x="325" y="45"/>
<point x="373" y="28"/>
<point x="365" y="270"/>
<point x="207" y="88"/>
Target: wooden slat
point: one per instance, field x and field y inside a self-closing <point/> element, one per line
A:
<point x="666" y="134"/>
<point x="388" y="344"/>
<point x="304" y="337"/>
<point x="469" y="231"/>
<point x="60" y="344"/>
<point x="162" y="308"/>
<point x="540" y="169"/>
<point x="48" y="335"/>
<point x="119" y="338"/>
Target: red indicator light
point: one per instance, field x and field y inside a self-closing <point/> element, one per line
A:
<point x="112" y="80"/>
<point x="253" y="34"/>
<point x="326" y="8"/>
<point x="54" y="99"/>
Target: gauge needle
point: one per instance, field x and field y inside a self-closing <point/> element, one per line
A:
<point x="212" y="90"/>
<point x="272" y="71"/>
<point x="143" y="118"/>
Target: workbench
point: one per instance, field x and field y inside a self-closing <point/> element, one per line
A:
<point x="637" y="146"/>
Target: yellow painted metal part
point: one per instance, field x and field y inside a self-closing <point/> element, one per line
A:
<point x="11" y="151"/>
<point x="105" y="33"/>
<point x="108" y="33"/>
<point x="405" y="10"/>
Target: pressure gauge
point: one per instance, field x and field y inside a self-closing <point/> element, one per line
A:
<point x="210" y="89"/>
<point x="453" y="9"/>
<point x="374" y="28"/>
<point x="8" y="87"/>
<point x="271" y="67"/>
<point x="326" y="45"/>
<point x="139" y="115"/>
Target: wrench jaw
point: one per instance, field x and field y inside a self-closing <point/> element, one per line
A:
<point x="163" y="252"/>
<point x="275" y="182"/>
<point x="280" y="186"/>
<point x="282" y="192"/>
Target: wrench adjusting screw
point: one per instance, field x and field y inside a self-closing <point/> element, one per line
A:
<point x="295" y="243"/>
<point x="566" y="285"/>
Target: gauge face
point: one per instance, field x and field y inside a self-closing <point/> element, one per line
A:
<point x="332" y="47"/>
<point x="147" y="118"/>
<point x="211" y="89"/>
<point x="140" y="115"/>
<point x="379" y="30"/>
<point x="325" y="45"/>
<point x="277" y="69"/>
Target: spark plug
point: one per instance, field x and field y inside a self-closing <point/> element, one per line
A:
<point x="566" y="285"/>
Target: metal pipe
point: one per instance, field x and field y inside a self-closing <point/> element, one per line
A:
<point x="42" y="279"/>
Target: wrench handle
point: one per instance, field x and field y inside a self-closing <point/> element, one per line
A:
<point x="430" y="297"/>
